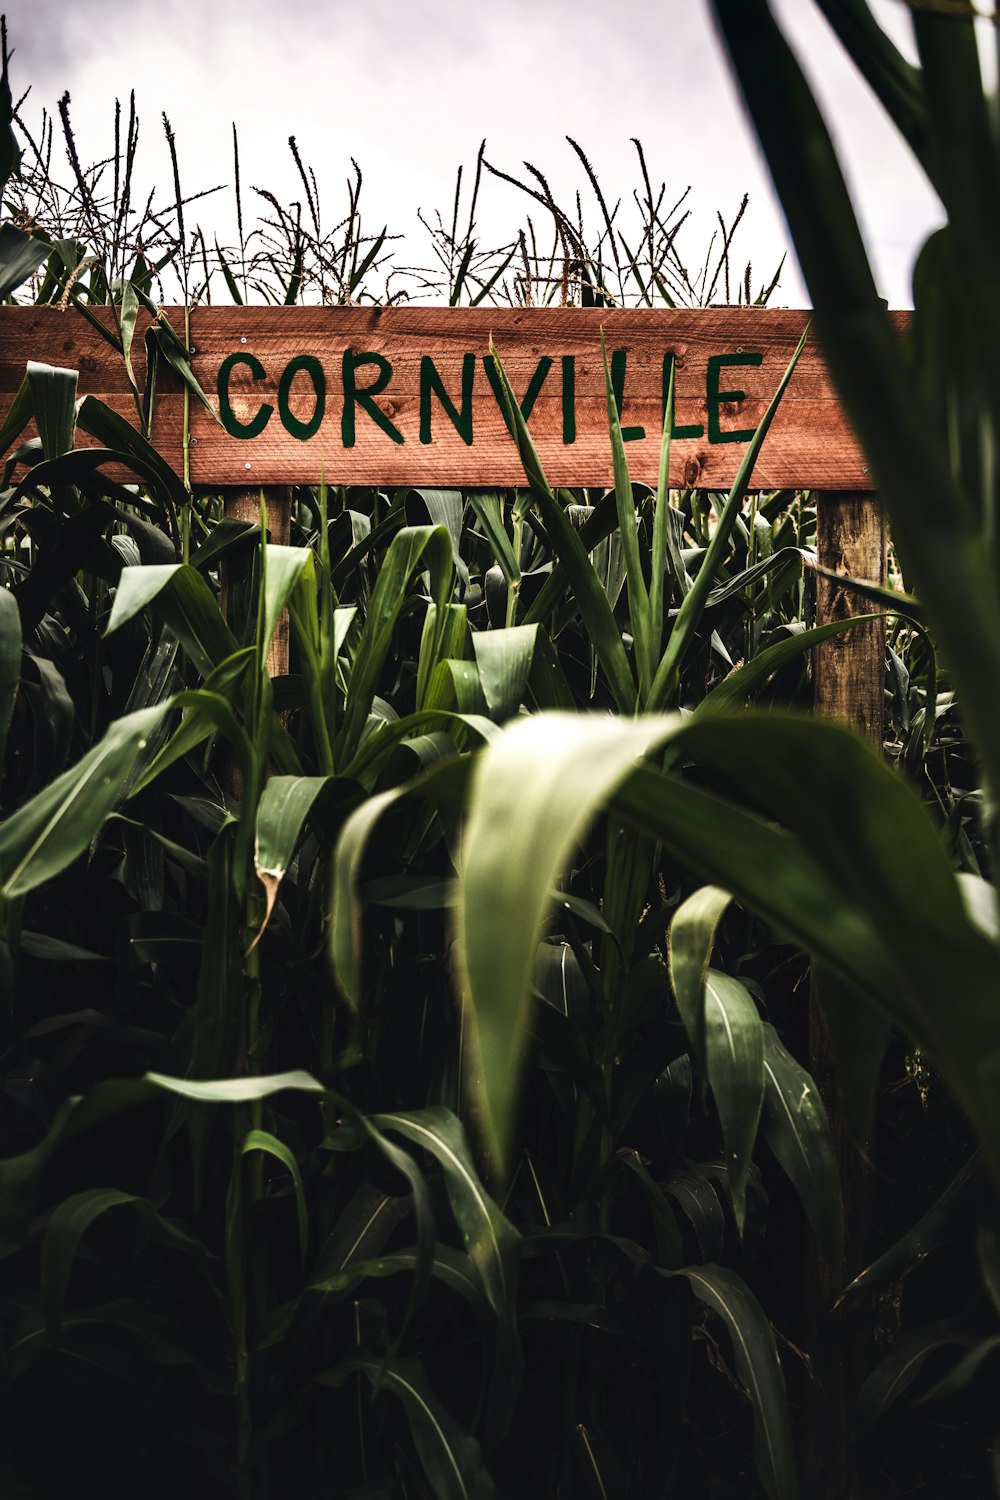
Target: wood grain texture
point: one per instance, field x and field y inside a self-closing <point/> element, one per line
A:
<point x="849" y="684"/>
<point x="849" y="679"/>
<point x="810" y="445"/>
<point x="244" y="505"/>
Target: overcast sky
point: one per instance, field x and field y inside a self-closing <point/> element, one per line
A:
<point x="410" y="87"/>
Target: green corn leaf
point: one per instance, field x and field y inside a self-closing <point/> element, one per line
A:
<point x="638" y="597"/>
<point x="734" y="1057"/>
<point x="285" y="567"/>
<point x="19" y="414"/>
<point x="755" y="1357"/>
<point x="896" y="81"/>
<point x="491" y="1242"/>
<point x="53" y="405"/>
<point x="127" y="318"/>
<point x="20" y="256"/>
<point x="856" y="828"/>
<point x="196" y="727"/>
<point x="962" y="1373"/>
<point x="700" y="1205"/>
<point x="95" y="417"/>
<point x="796" y="1128"/>
<point x="591" y="598"/>
<point x="942" y="1221"/>
<point x="408" y="548"/>
<point x="284" y="806"/>
<point x="450" y="1457"/>
<point x="742" y="683"/>
<point x="489" y="513"/>
<point x="443" y="636"/>
<point x="263" y="1140"/>
<point x="456" y="685"/>
<point x="67" y="1225"/>
<point x="345" y="923"/>
<point x="691" y="940"/>
<point x="10" y="662"/>
<point x="504" y="659"/>
<point x="56" y="826"/>
<point x="889" y="1382"/>
<point x="453" y="1269"/>
<point x="557" y="770"/>
<point x="178" y="593"/>
<point x="933" y="521"/>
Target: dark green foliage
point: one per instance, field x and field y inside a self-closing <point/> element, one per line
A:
<point x="390" y="1108"/>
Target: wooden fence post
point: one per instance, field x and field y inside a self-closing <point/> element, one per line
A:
<point x="244" y="505"/>
<point x="849" y="684"/>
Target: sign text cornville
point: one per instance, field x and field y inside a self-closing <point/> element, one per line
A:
<point x="412" y="395"/>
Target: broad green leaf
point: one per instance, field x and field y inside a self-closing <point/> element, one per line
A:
<point x="889" y="1382"/>
<point x="81" y="1113"/>
<point x="962" y="1373"/>
<point x="284" y="806"/>
<point x="20" y="255"/>
<point x="489" y="512"/>
<point x="796" y="1128"/>
<point x="178" y="593"/>
<point x="591" y="598"/>
<point x="934" y="522"/>
<point x="112" y="431"/>
<point x="742" y="683"/>
<point x="195" y="728"/>
<point x="451" y="1458"/>
<point x="285" y="566"/>
<point x="691" y="939"/>
<point x="443" y="636"/>
<point x="491" y="1241"/>
<point x="455" y="685"/>
<point x="18" y="413"/>
<point x="446" y="508"/>
<point x="40" y="945"/>
<point x="453" y="1269"/>
<point x="67" y="1225"/>
<point x="504" y="659"/>
<point x="10" y="661"/>
<point x="556" y="770"/>
<point x="263" y="1140"/>
<point x="896" y="81"/>
<point x="56" y="826"/>
<point x="53" y="403"/>
<point x="734" y="1058"/>
<point x="345" y="923"/>
<point x="699" y="1202"/>
<point x="755" y="1357"/>
<point x="234" y="1090"/>
<point x="940" y="1223"/>
<point x="409" y="547"/>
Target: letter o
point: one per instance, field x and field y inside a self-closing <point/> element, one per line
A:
<point x="289" y="421"/>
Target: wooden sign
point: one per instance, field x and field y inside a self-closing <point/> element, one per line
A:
<point x="411" y="395"/>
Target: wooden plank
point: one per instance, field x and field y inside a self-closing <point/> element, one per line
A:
<point x="849" y="684"/>
<point x="403" y="395"/>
